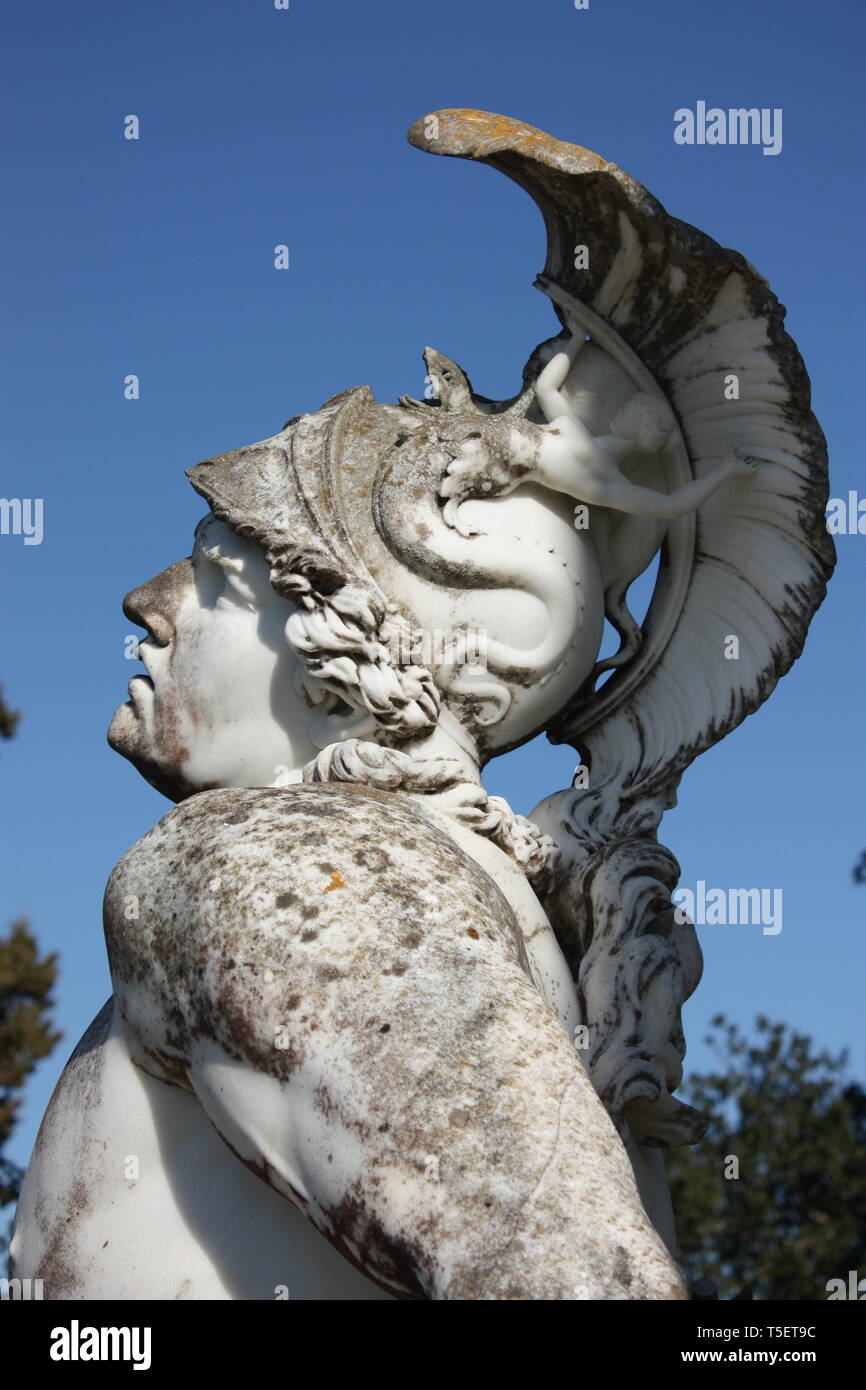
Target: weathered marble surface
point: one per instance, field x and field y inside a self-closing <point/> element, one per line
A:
<point x="352" y="1001"/>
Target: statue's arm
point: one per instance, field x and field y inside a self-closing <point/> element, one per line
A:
<point x="621" y="495"/>
<point x="563" y="467"/>
<point x="552" y="378"/>
<point x="352" y="1006"/>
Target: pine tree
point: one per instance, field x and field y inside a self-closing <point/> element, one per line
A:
<point x="774" y="1198"/>
<point x="26" y="1035"/>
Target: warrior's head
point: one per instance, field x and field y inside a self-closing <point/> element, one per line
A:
<point x="327" y="598"/>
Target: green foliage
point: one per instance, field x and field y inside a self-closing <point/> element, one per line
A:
<point x="796" y="1214"/>
<point x="26" y="1035"/>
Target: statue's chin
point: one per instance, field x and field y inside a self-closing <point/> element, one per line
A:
<point x="126" y="736"/>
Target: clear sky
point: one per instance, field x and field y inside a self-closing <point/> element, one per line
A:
<point x="155" y="257"/>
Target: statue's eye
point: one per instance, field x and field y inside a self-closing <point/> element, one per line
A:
<point x="209" y="576"/>
<point x="236" y="591"/>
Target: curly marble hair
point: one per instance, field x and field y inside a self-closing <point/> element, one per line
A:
<point x="344" y="634"/>
<point x="388" y="769"/>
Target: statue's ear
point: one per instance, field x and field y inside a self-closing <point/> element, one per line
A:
<point x="490" y="699"/>
<point x="493" y="703"/>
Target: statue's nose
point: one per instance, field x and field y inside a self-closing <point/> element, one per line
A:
<point x="154" y="604"/>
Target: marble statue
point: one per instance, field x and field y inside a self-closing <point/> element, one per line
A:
<point x="372" y="1034"/>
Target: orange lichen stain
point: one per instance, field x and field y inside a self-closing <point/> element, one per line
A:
<point x="336" y="882"/>
<point x="485" y="133"/>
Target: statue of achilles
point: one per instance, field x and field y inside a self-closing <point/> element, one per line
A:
<point x="373" y="1035"/>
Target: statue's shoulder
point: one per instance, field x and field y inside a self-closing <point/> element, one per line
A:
<point x="241" y="904"/>
<point x="325" y="849"/>
<point x="294" y="823"/>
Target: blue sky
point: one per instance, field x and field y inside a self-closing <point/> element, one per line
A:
<point x="155" y="257"/>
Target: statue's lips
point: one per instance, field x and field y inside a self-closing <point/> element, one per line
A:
<point x="136" y="688"/>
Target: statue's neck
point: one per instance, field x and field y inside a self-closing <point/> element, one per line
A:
<point x="448" y="740"/>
